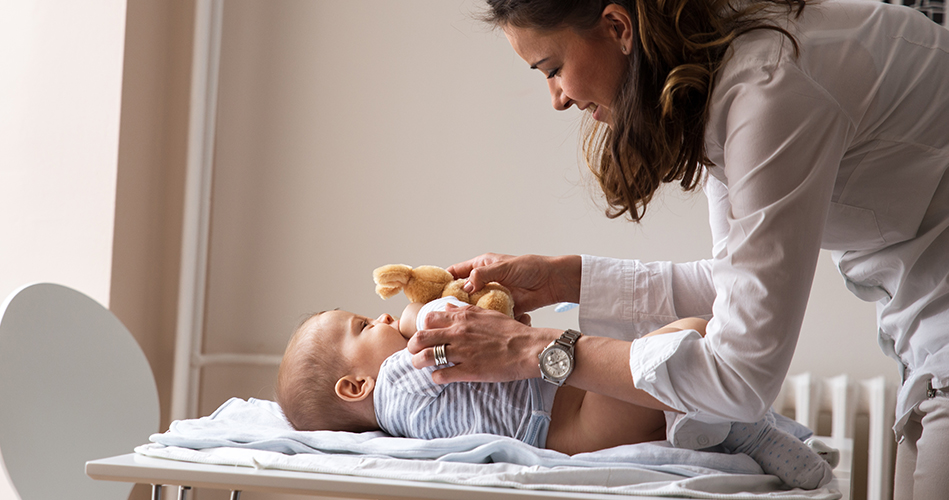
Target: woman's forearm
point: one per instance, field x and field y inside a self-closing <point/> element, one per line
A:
<point x="569" y="270"/>
<point x="602" y="366"/>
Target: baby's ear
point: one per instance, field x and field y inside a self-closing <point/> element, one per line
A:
<point x="351" y="388"/>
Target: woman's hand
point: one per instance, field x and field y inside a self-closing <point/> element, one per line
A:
<point x="484" y="345"/>
<point x="535" y="281"/>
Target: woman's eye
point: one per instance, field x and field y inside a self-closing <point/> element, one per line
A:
<point x="553" y="73"/>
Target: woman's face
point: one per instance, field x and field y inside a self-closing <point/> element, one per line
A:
<point x="585" y="70"/>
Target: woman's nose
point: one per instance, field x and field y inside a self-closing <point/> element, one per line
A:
<point x="557" y="97"/>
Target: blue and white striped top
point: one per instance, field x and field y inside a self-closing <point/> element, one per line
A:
<point x="408" y="404"/>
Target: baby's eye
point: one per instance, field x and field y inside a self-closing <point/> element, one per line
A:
<point x="553" y="73"/>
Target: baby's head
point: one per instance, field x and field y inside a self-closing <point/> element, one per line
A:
<point x="329" y="370"/>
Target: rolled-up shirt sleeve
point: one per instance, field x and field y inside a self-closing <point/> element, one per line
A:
<point x="614" y="301"/>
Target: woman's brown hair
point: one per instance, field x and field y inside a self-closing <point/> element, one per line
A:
<point x="659" y="114"/>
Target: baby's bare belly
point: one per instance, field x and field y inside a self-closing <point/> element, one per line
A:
<point x="582" y="422"/>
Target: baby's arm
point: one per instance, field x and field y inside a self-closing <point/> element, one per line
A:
<point x="407" y="322"/>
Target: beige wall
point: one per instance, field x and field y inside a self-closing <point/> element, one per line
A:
<point x="149" y="193"/>
<point x="150" y="183"/>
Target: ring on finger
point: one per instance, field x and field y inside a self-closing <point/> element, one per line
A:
<point x="440" y="357"/>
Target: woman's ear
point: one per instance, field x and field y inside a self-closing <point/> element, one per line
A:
<point x="352" y="388"/>
<point x="620" y="24"/>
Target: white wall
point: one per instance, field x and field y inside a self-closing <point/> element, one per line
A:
<point x="60" y="93"/>
<point x="357" y="134"/>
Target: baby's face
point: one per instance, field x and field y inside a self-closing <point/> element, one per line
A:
<point x="366" y="342"/>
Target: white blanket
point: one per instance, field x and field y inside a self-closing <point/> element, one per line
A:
<point x="254" y="433"/>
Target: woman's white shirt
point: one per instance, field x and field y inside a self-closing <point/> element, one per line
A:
<point x="844" y="146"/>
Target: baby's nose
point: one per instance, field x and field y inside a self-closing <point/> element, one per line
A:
<point x="386" y="318"/>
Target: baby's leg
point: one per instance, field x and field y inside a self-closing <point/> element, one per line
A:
<point x="779" y="453"/>
<point x="582" y="421"/>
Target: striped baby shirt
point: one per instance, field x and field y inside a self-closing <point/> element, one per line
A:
<point x="408" y="404"/>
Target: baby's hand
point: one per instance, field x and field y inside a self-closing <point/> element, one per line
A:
<point x="407" y="322"/>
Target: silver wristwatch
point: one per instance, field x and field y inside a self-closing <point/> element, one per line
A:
<point x="556" y="360"/>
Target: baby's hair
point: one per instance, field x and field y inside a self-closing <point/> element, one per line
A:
<point x="306" y="382"/>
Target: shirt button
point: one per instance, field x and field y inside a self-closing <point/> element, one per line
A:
<point x="702" y="440"/>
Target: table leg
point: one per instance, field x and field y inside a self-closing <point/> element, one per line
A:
<point x="183" y="492"/>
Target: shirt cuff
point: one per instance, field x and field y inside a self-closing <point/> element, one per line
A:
<point x="647" y="364"/>
<point x="684" y="431"/>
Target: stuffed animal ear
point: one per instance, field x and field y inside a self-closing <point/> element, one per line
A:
<point x="391" y="279"/>
<point x="351" y="388"/>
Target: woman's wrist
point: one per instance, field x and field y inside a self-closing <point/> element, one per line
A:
<point x="569" y="271"/>
<point x="540" y="339"/>
<point x="601" y="365"/>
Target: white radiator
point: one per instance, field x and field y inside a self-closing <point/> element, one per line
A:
<point x="806" y="398"/>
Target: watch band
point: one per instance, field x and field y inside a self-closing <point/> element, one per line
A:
<point x="569" y="339"/>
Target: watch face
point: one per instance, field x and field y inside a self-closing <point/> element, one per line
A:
<point x="556" y="363"/>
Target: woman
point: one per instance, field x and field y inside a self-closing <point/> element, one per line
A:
<point x="823" y="125"/>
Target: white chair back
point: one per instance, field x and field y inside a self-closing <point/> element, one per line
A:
<point x="74" y="386"/>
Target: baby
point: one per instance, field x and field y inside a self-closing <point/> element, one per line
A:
<point x="346" y="372"/>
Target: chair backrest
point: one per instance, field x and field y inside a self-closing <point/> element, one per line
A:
<point x="74" y="386"/>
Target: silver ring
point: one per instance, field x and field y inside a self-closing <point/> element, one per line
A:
<point x="440" y="357"/>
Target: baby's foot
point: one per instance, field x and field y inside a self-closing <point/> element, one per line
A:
<point x="779" y="453"/>
<point x="829" y="454"/>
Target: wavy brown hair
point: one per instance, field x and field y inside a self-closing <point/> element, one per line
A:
<point x="660" y="112"/>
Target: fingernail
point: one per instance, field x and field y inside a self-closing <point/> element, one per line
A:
<point x="468" y="286"/>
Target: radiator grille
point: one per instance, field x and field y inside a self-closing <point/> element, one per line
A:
<point x="862" y="410"/>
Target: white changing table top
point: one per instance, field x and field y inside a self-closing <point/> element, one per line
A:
<point x="136" y="468"/>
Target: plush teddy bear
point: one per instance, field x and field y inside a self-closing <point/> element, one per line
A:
<point x="427" y="283"/>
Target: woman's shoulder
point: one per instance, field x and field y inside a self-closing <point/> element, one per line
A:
<point x="756" y="54"/>
<point x="821" y="24"/>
